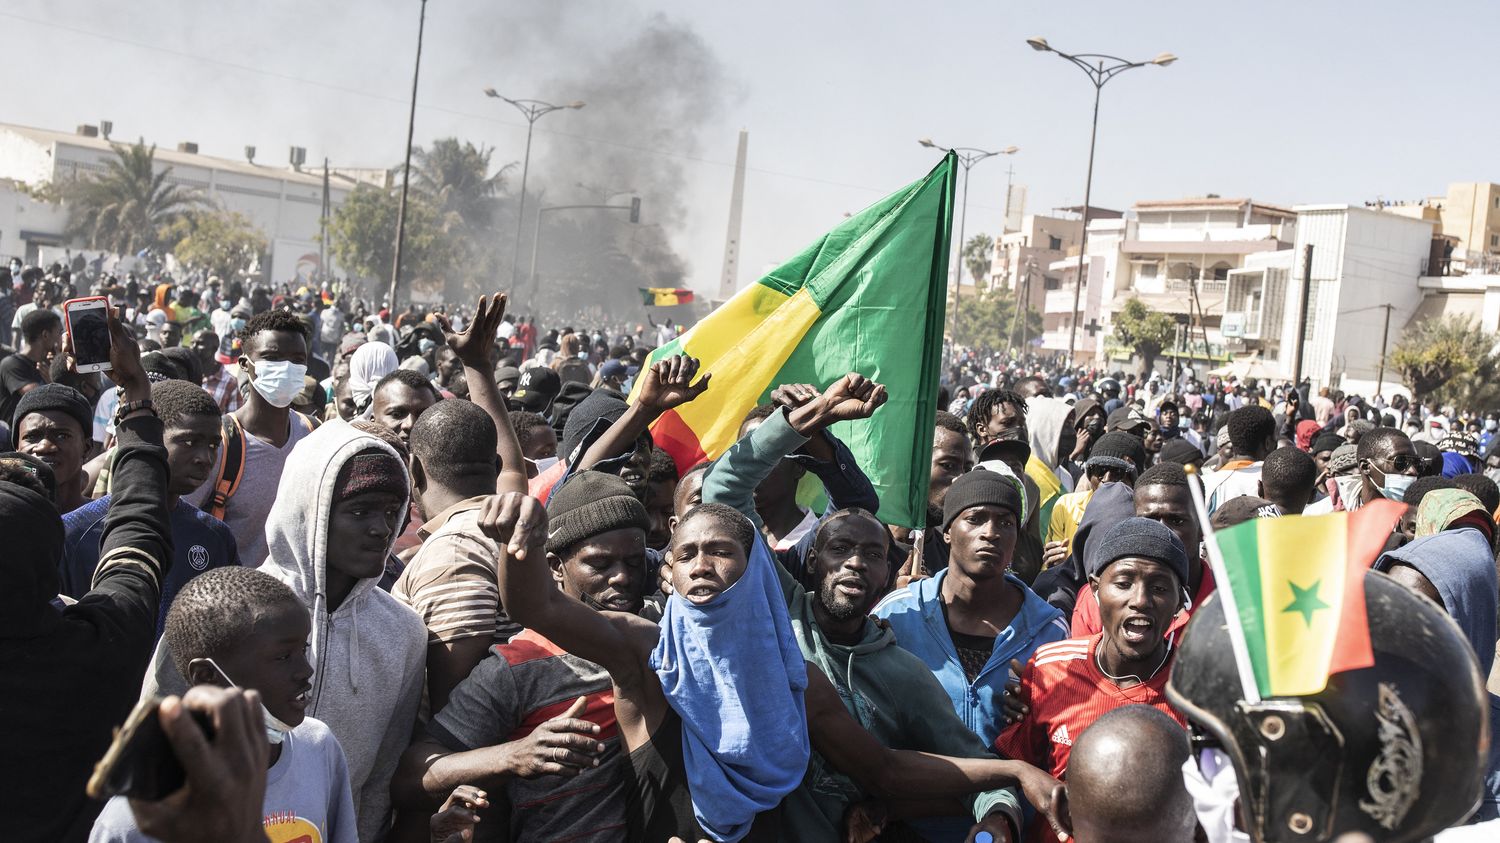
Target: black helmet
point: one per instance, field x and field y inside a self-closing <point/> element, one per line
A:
<point x="1397" y="750"/>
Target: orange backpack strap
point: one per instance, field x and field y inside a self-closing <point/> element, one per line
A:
<point x="231" y="469"/>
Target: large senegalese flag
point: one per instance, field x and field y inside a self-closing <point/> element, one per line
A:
<point x="665" y="296"/>
<point x="867" y="297"/>
<point x="1299" y="590"/>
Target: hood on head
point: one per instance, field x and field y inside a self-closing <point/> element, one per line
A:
<point x="34" y="543"/>
<point x="1110" y="504"/>
<point x="1044" y="424"/>
<point x="297" y="527"/>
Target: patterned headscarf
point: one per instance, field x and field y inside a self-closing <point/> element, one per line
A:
<point x="1444" y="509"/>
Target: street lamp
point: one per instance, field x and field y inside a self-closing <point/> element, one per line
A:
<point x="532" y="110"/>
<point x="967" y="157"/>
<point x="1100" y="69"/>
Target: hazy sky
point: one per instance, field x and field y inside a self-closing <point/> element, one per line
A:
<point x="1286" y="102"/>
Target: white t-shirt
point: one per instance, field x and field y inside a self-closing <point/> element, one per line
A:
<point x="1227" y="484"/>
<point x="247" y="511"/>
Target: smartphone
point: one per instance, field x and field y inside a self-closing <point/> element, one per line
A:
<point x="140" y="762"/>
<point x="88" y="325"/>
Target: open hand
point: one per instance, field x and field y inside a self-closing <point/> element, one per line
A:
<point x="793" y="395"/>
<point x="668" y="384"/>
<point x="562" y="746"/>
<point x="475" y="344"/>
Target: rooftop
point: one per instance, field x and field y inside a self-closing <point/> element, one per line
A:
<point x="170" y="155"/>
<point x="1202" y="203"/>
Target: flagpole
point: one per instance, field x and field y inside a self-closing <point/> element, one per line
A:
<point x="1226" y="593"/>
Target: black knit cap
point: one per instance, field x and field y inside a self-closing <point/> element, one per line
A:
<point x="54" y="396"/>
<point x="1180" y="451"/>
<point x="980" y="487"/>
<point x="1118" y="450"/>
<point x="1141" y="538"/>
<point x="1327" y="442"/>
<point x="590" y="503"/>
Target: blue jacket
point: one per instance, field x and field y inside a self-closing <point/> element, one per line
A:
<point x="915" y="613"/>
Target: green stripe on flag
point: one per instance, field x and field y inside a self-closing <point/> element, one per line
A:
<point x="1241" y="548"/>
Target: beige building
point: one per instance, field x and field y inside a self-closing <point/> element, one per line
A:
<point x="1468" y="220"/>
<point x="1021" y="257"/>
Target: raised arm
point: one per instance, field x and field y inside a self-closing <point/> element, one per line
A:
<point x="618" y="642"/>
<point x="666" y="385"/>
<point x="829" y="459"/>
<point x="473" y="347"/>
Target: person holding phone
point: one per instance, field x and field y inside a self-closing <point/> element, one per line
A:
<point x="72" y="674"/>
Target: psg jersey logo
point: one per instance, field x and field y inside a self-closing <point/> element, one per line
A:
<point x="198" y="557"/>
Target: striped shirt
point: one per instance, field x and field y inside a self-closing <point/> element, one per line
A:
<point x="224" y="386"/>
<point x="519" y="686"/>
<point x="1066" y="692"/>
<point x="451" y="582"/>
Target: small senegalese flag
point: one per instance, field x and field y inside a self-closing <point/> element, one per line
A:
<point x="665" y="296"/>
<point x="1298" y="588"/>
<point x="867" y="297"/>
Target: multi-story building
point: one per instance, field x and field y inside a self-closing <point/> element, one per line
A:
<point x="1022" y="256"/>
<point x="284" y="202"/>
<point x="1468" y="219"/>
<point x="1175" y="255"/>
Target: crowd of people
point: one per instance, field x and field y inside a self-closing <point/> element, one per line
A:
<point x="429" y="575"/>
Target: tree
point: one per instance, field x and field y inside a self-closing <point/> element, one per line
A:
<point x="222" y="243"/>
<point x="985" y="319"/>
<point x="456" y="177"/>
<point x="1450" y="360"/>
<point x="362" y="235"/>
<point x="127" y="207"/>
<point x="1144" y="330"/>
<point x="977" y="256"/>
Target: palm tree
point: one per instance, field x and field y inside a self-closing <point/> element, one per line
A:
<point x="456" y="176"/>
<point x="127" y="207"/>
<point x="977" y="256"/>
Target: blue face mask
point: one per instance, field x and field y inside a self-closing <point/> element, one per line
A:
<point x="1393" y="486"/>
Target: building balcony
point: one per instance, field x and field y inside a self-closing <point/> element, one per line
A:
<point x="1060" y="301"/>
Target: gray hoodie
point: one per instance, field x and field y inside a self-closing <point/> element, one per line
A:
<point x="369" y="655"/>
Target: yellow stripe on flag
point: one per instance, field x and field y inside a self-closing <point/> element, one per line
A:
<point x="743" y="344"/>
<point x="1302" y="586"/>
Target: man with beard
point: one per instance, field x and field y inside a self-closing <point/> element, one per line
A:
<point x="483" y="735"/>
<point x="891" y="692"/>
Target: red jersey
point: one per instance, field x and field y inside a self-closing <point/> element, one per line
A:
<point x="1086" y="609"/>
<point x="1066" y="692"/>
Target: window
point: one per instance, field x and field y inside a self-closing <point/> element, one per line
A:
<point x="1221" y="273"/>
<point x="1055" y="243"/>
<point x="1051" y="284"/>
<point x="1495" y="241"/>
<point x="1147" y="271"/>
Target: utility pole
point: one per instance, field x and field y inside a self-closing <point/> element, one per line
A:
<point x="411" y="126"/>
<point x="1385" y="336"/>
<point x="1307" y="255"/>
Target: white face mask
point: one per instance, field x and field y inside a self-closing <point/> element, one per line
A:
<point x="544" y="463"/>
<point x="278" y="381"/>
<point x="1349" y="488"/>
<point x="276" y="730"/>
<point x="1395" y="486"/>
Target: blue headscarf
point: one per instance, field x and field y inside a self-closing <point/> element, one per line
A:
<point x="739" y="692"/>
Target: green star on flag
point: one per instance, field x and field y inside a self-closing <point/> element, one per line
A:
<point x="1305" y="600"/>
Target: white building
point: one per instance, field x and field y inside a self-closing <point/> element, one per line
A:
<point x="284" y="202"/>
<point x="1022" y="256"/>
<point x="1363" y="263"/>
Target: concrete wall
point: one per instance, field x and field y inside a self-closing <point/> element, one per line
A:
<point x="19" y="212"/>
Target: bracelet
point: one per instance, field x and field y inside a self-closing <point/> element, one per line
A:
<point x="132" y="407"/>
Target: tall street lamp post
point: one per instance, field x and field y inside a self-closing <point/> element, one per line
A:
<point x="532" y="110"/>
<point x="1100" y="69"/>
<point x="967" y="157"/>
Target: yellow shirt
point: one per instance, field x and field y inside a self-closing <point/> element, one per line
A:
<point x="1066" y="514"/>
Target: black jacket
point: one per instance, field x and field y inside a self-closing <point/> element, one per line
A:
<point x="69" y="676"/>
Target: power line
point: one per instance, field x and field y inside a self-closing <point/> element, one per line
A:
<point x="343" y="89"/>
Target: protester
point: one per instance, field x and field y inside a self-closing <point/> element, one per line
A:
<point x="41" y="338"/>
<point x="238" y="628"/>
<point x="1252" y="437"/>
<point x="53" y="423"/>
<point x="335" y="517"/>
<point x="72" y="673"/>
<point x="260" y="436"/>
<point x="1289" y="479"/>
<point x="399" y="399"/>
<point x="200" y="542"/>
<point x="1125" y="780"/>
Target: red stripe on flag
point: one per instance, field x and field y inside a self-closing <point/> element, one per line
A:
<point x="1369" y="527"/>
<point x="671" y="434"/>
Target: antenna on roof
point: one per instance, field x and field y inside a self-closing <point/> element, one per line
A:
<point x="105" y="127"/>
<point x="250" y="154"/>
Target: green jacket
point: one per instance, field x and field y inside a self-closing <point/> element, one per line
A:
<point x="890" y="691"/>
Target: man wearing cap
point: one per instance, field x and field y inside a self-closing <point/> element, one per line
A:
<point x="613" y="374"/>
<point x="596" y="551"/>
<point x="506" y="380"/>
<point x="1181" y="452"/>
<point x="969" y="620"/>
<point x="1138" y="570"/>
<point x="1168" y="418"/>
<point x="1116" y="458"/>
<point x="53" y="423"/>
<point x="535" y="390"/>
